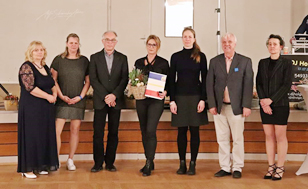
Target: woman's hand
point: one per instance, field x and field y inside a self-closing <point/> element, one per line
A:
<point x="51" y="99"/>
<point x="66" y="99"/>
<point x="162" y="94"/>
<point x="267" y="110"/>
<point x="173" y="107"/>
<point x="201" y="106"/>
<point x="74" y="100"/>
<point x="265" y="102"/>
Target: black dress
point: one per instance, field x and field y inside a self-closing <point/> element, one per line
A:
<point x="280" y="113"/>
<point x="37" y="145"/>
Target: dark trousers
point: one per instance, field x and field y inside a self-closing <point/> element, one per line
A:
<point x="98" y="137"/>
<point x="194" y="142"/>
<point x="149" y="112"/>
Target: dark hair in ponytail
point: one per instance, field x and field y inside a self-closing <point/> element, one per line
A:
<point x="196" y="49"/>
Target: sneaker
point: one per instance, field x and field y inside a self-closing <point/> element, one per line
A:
<point x="70" y="165"/>
<point x="43" y="173"/>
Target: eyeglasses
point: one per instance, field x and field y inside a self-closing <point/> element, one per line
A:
<point x="151" y="45"/>
<point x="110" y="40"/>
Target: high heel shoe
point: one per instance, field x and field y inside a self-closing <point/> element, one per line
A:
<point x="278" y="172"/>
<point x="29" y="176"/>
<point x="152" y="167"/>
<point x="147" y="168"/>
<point x="270" y="172"/>
<point x="182" y="170"/>
<point x="192" y="168"/>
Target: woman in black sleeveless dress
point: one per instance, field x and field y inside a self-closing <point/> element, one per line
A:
<point x="37" y="147"/>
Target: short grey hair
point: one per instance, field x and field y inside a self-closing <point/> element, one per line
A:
<point x="110" y="31"/>
<point x="229" y="35"/>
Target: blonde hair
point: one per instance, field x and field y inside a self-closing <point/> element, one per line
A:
<point x="156" y="39"/>
<point x="196" y="48"/>
<point x="30" y="50"/>
<point x="65" y="53"/>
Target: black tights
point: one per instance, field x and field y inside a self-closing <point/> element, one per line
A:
<point x="194" y="142"/>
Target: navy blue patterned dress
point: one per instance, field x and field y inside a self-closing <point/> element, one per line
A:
<point x="37" y="145"/>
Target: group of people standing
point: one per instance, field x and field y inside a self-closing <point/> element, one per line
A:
<point x="225" y="89"/>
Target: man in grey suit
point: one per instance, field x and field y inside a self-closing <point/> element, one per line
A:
<point x="229" y="87"/>
<point x="108" y="72"/>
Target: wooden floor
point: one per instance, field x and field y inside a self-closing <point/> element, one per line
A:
<point x="128" y="177"/>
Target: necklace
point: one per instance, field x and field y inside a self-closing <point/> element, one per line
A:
<point x="39" y="67"/>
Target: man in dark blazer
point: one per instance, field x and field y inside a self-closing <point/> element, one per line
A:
<point x="229" y="87"/>
<point x="108" y="76"/>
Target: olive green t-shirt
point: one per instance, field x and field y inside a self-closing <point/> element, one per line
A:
<point x="71" y="77"/>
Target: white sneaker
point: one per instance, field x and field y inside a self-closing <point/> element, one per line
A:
<point x="70" y="165"/>
<point x="43" y="173"/>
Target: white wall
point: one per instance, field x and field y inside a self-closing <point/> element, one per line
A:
<point x="251" y="21"/>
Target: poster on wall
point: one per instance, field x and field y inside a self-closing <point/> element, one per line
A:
<point x="300" y="75"/>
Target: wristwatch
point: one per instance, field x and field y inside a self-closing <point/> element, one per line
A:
<point x="171" y="103"/>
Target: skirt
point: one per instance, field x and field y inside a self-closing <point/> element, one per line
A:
<point x="187" y="114"/>
<point x="63" y="112"/>
<point x="279" y="117"/>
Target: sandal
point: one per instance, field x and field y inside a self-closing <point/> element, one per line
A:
<point x="278" y="172"/>
<point x="270" y="173"/>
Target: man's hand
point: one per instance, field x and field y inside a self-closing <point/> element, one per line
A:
<point x="110" y="98"/>
<point x="246" y="112"/>
<point x="213" y="111"/>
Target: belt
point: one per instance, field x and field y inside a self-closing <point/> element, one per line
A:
<point x="227" y="103"/>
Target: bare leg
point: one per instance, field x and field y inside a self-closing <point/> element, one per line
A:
<point x="59" y="127"/>
<point x="282" y="144"/>
<point x="74" y="136"/>
<point x="270" y="141"/>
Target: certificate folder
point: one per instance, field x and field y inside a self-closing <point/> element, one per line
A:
<point x="156" y="84"/>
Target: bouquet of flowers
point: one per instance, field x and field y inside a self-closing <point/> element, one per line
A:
<point x="137" y="84"/>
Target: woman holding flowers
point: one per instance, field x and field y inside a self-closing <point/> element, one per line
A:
<point x="149" y="110"/>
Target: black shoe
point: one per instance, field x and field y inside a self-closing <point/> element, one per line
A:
<point x="270" y="172"/>
<point x="222" y="173"/>
<point x="237" y="174"/>
<point x="96" y="169"/>
<point x="147" y="168"/>
<point x="182" y="170"/>
<point x="152" y="167"/>
<point x="111" y="168"/>
<point x="278" y="173"/>
<point x="192" y="168"/>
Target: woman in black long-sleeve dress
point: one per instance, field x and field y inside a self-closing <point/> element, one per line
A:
<point x="188" y="96"/>
<point x="274" y="79"/>
<point x="149" y="110"/>
<point x="37" y="146"/>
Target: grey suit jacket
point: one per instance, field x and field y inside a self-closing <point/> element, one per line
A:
<point x="239" y="81"/>
<point x="104" y="83"/>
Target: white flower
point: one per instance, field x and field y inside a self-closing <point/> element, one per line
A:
<point x="138" y="84"/>
<point x="142" y="84"/>
<point x="136" y="79"/>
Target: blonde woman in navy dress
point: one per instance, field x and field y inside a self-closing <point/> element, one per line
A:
<point x="37" y="146"/>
